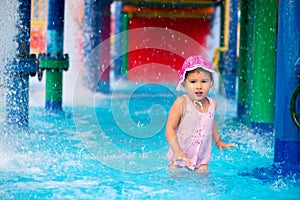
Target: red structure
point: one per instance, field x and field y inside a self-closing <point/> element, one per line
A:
<point x="158" y="65"/>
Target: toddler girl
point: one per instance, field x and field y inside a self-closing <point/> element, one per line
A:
<point x="191" y="126"/>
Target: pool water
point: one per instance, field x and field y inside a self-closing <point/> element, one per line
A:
<point x="116" y="150"/>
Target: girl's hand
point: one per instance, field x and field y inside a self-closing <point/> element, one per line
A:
<point x="184" y="158"/>
<point x="220" y="144"/>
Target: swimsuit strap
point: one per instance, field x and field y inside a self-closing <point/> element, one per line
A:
<point x="200" y="104"/>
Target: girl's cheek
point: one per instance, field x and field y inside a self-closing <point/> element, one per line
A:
<point x="189" y="90"/>
<point x="207" y="86"/>
<point x="188" y="87"/>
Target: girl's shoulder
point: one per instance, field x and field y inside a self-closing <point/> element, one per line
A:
<point x="214" y="101"/>
<point x="182" y="98"/>
<point x="181" y="102"/>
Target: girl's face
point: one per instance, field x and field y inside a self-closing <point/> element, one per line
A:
<point x="197" y="84"/>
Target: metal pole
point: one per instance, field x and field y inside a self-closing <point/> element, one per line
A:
<point x="91" y="39"/>
<point x="54" y="62"/>
<point x="243" y="52"/>
<point x="18" y="71"/>
<point x="118" y="43"/>
<point x="263" y="74"/>
<point x="287" y="135"/>
<point x="245" y="83"/>
<point x="230" y="56"/>
<point x="125" y="44"/>
<point x="104" y="64"/>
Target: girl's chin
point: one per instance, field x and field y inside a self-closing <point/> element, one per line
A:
<point x="197" y="98"/>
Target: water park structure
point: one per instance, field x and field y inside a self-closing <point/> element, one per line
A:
<point x="258" y="56"/>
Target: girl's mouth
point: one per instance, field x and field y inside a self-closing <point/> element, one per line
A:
<point x="198" y="94"/>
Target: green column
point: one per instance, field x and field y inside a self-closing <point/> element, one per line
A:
<point x="54" y="66"/>
<point x="264" y="40"/>
<point x="125" y="45"/>
<point x="54" y="85"/>
<point x="245" y="58"/>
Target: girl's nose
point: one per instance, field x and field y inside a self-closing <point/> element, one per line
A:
<point x="199" y="86"/>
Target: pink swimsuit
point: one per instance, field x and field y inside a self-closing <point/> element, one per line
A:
<point x="195" y="136"/>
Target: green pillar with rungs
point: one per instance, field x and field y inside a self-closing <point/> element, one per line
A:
<point x="54" y="62"/>
<point x="54" y="66"/>
<point x="245" y="58"/>
<point x="125" y="45"/>
<point x="264" y="40"/>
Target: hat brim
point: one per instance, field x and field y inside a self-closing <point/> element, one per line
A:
<point x="180" y="86"/>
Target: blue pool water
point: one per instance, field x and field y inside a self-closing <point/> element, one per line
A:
<point x="87" y="153"/>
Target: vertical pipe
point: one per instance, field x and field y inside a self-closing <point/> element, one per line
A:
<point x="104" y="73"/>
<point x="118" y="41"/>
<point x="287" y="136"/>
<point x="224" y="35"/>
<point x="19" y="70"/>
<point x="228" y="61"/>
<point x="262" y="104"/>
<point x="55" y="39"/>
<point x="230" y="58"/>
<point x="245" y="58"/>
<point x="125" y="45"/>
<point x="91" y="39"/>
<point x="222" y="28"/>
<point x="242" y="71"/>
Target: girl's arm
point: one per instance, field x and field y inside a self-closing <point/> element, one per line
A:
<point x="216" y="136"/>
<point x="219" y="143"/>
<point x="171" y="126"/>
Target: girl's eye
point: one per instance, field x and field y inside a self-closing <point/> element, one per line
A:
<point x="192" y="81"/>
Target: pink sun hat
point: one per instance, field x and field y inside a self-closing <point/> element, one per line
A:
<point x="192" y="63"/>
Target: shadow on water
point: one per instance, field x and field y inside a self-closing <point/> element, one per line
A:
<point x="279" y="172"/>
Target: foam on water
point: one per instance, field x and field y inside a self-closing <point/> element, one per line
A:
<point x="50" y="161"/>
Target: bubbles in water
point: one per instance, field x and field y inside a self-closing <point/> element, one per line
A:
<point x="279" y="184"/>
